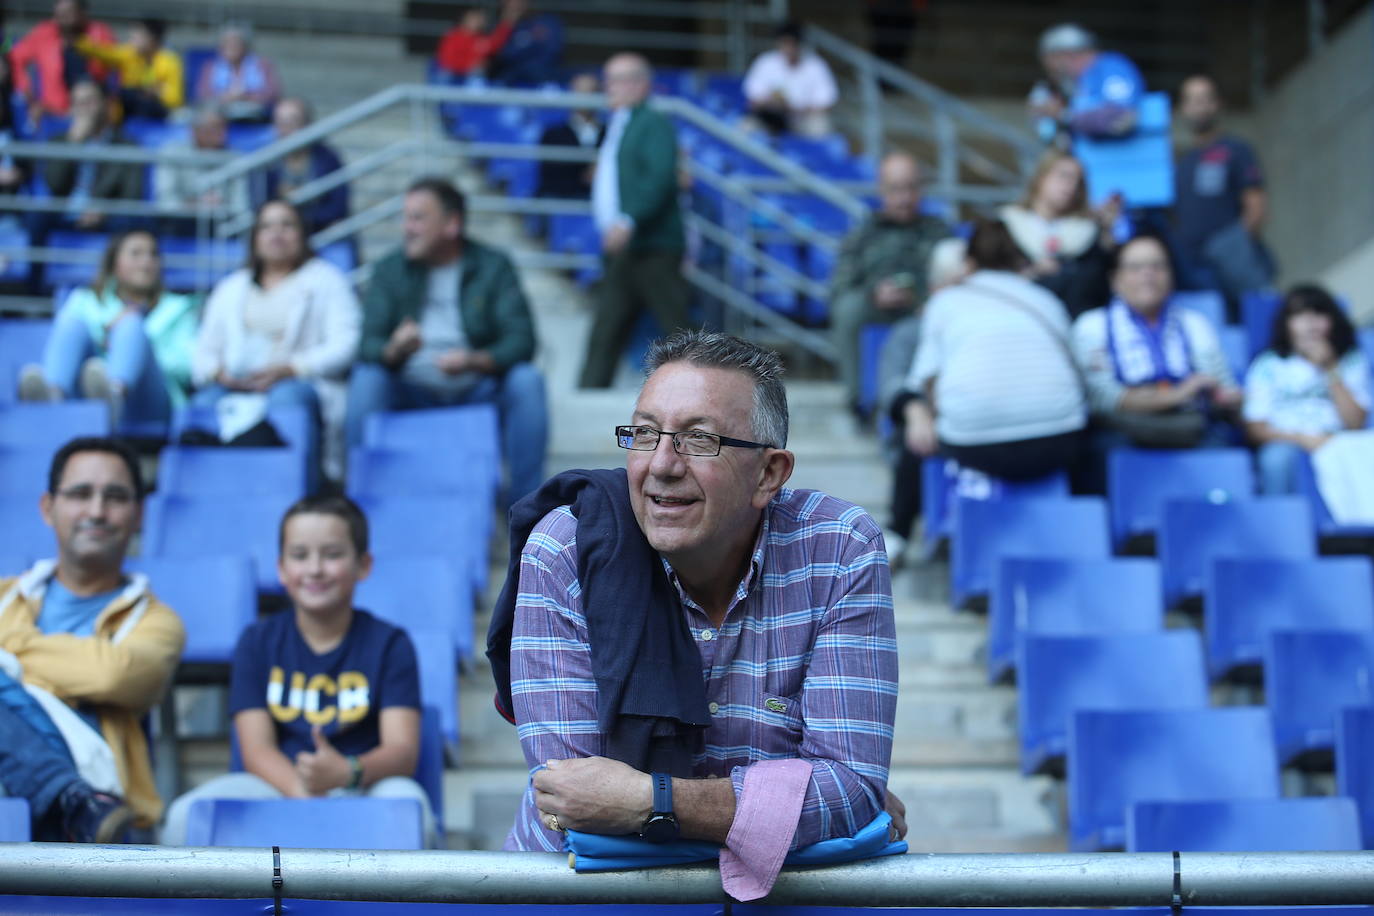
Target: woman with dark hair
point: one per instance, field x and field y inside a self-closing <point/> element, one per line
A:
<point x="1311" y="383"/>
<point x="1000" y="393"/>
<point x="285" y="326"/>
<point x="124" y="339"/>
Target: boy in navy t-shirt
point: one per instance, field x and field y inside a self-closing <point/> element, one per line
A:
<point x="325" y="699"/>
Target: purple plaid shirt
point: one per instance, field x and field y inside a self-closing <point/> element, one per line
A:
<point x="804" y="666"/>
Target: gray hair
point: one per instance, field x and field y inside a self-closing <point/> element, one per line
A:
<point x="714" y="350"/>
<point x="1067" y="36"/>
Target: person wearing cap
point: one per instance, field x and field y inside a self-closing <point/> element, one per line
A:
<point x="1088" y="91"/>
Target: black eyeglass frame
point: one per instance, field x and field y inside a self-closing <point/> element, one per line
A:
<point x="624" y="433"/>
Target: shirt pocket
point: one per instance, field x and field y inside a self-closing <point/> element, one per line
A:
<point x="777" y="726"/>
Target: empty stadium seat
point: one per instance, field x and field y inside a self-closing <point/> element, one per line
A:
<point x="1208" y="302"/>
<point x="200" y="471"/>
<point x="1355" y="764"/>
<point x="421" y="592"/>
<point x="1310" y="676"/>
<point x="434" y="653"/>
<point x="1060" y="675"/>
<point x="1058" y="597"/>
<point x="942" y="481"/>
<point x="295" y="424"/>
<point x="224" y="525"/>
<point x="1257" y="311"/>
<point x="51" y="426"/>
<point x="473" y="429"/>
<point x="15" y="820"/>
<point x="24" y="533"/>
<point x="1119" y="758"/>
<point x="455" y="527"/>
<point x="24" y="470"/>
<point x="85" y="249"/>
<point x="1252" y="825"/>
<point x="409" y="472"/>
<point x="215" y="597"/>
<point x="1247" y="599"/>
<point x="1196" y="532"/>
<point x="327" y="823"/>
<point x="986" y="531"/>
<point x="1141" y="481"/>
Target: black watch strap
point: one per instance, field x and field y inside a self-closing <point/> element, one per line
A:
<point x="663" y="793"/>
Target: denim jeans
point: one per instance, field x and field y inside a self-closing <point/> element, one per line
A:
<point x="129" y="360"/>
<point x="518" y="395"/>
<point x="34" y="761"/>
<point x="1278" y="467"/>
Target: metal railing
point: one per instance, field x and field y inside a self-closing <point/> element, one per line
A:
<point x="1054" y="880"/>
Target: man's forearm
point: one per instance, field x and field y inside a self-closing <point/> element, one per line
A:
<point x="705" y="808"/>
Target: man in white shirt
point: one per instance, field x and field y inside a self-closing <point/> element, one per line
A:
<point x="791" y="89"/>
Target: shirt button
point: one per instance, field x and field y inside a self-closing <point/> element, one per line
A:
<point x="707" y="635"/>
<point x="714" y="707"/>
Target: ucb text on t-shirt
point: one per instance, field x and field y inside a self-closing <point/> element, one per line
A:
<point x="343" y="691"/>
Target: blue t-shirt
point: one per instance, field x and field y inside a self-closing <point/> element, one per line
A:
<point x="1210" y="181"/>
<point x="343" y="690"/>
<point x="1110" y="84"/>
<point x="63" y="612"/>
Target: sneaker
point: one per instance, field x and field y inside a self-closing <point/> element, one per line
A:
<point x="89" y="816"/>
<point x="95" y="383"/>
<point x="896" y="548"/>
<point x="34" y="387"/>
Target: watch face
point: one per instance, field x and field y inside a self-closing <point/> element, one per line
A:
<point x="661" y="828"/>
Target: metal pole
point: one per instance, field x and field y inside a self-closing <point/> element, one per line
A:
<point x="947" y="150"/>
<point x="873" y="110"/>
<point x="1036" y="880"/>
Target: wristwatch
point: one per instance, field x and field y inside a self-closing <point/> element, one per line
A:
<point x="355" y="772"/>
<point x="662" y="826"/>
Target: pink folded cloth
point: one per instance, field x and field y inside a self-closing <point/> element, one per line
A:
<point x="766" y="815"/>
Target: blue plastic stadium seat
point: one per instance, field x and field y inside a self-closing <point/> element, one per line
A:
<point x="1061" y="675"/>
<point x="871" y="340"/>
<point x="24" y="470"/>
<point x="1327" y="526"/>
<point x="434" y="654"/>
<point x="23" y="533"/>
<point x="1057" y="597"/>
<point x="771" y="289"/>
<point x="14" y="564"/>
<point x="195" y="264"/>
<point x="183" y="526"/>
<point x="1253" y="825"/>
<point x="455" y="527"/>
<point x="328" y="823"/>
<point x="50" y="426"/>
<point x="1208" y="302"/>
<point x="87" y="245"/>
<point x="1236" y="345"/>
<point x="1141" y="481"/>
<point x="1367" y="343"/>
<point x="1247" y="599"/>
<point x="14" y="242"/>
<point x="15" y="820"/>
<point x="21" y="342"/>
<point x="473" y="429"/>
<point x="1257" y="311"/>
<point x="1310" y="675"/>
<point x="1196" y="532"/>
<point x="244" y="138"/>
<point x="197" y="471"/>
<point x="215" y="597"/>
<point x="296" y="425"/>
<point x="573" y="233"/>
<point x="405" y="472"/>
<point x="423" y="592"/>
<point x="154" y="134"/>
<point x="1355" y="764"/>
<point x="341" y="254"/>
<point x="1119" y="758"/>
<point x="986" y="531"/>
<point x="943" y="481"/>
<point x="1139" y="166"/>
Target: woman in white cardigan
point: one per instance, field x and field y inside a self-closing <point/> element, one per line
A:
<point x="285" y="327"/>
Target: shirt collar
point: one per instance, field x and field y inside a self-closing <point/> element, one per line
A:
<point x="751" y="575"/>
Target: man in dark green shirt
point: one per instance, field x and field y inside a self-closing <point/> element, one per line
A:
<point x="882" y="268"/>
<point x="445" y="322"/>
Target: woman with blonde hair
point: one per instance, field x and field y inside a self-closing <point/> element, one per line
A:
<point x="1066" y="241"/>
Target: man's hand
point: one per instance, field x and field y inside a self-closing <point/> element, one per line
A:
<point x="920" y="429"/>
<point x="594" y="794"/>
<point x="889" y="295"/>
<point x="324" y="768"/>
<point x="897" y="810"/>
<point x="616" y="238"/>
<point x="264" y="379"/>
<point x="452" y="362"/>
<point x="405" y="340"/>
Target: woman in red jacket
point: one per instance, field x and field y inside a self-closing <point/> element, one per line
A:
<point x="465" y="49"/>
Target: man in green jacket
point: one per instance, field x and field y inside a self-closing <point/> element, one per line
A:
<point x="445" y="322"/>
<point x="634" y="203"/>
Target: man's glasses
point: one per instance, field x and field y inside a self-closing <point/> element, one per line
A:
<point x="693" y="444"/>
<point x="84" y="493"/>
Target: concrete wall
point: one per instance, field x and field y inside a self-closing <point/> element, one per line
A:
<point x="1316" y="140"/>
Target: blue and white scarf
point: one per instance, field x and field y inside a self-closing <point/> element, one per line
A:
<point x="1145" y="355"/>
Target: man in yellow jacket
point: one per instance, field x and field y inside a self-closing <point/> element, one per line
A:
<point x="151" y="78"/>
<point x="85" y="652"/>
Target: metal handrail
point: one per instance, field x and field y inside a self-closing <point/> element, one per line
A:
<point x="1056" y="880"/>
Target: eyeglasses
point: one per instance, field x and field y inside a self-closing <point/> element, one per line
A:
<point x="693" y="444"/>
<point x="83" y="493"/>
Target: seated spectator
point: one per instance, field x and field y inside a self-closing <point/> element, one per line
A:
<point x="46" y="63"/>
<point x="81" y="182"/>
<point x="790" y="89"/>
<point x="285" y="327"/>
<point x="13" y="172"/>
<point x="533" y="54"/>
<point x="1068" y="245"/>
<point x="465" y="49"/>
<point x="572" y="180"/>
<point x="998" y="389"/>
<point x="880" y="275"/>
<point x="123" y="339"/>
<point x="176" y="186"/>
<point x="356" y="729"/>
<point x="1311" y="383"/>
<point x="446" y="322"/>
<point x="243" y="84"/>
<point x="85" y="652"/>
<point x="300" y="168"/>
<point x="150" y="76"/>
<point x="1156" y="373"/>
<point x="1219" y="200"/>
<point x="948" y="266"/>
<point x="1088" y="92"/>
